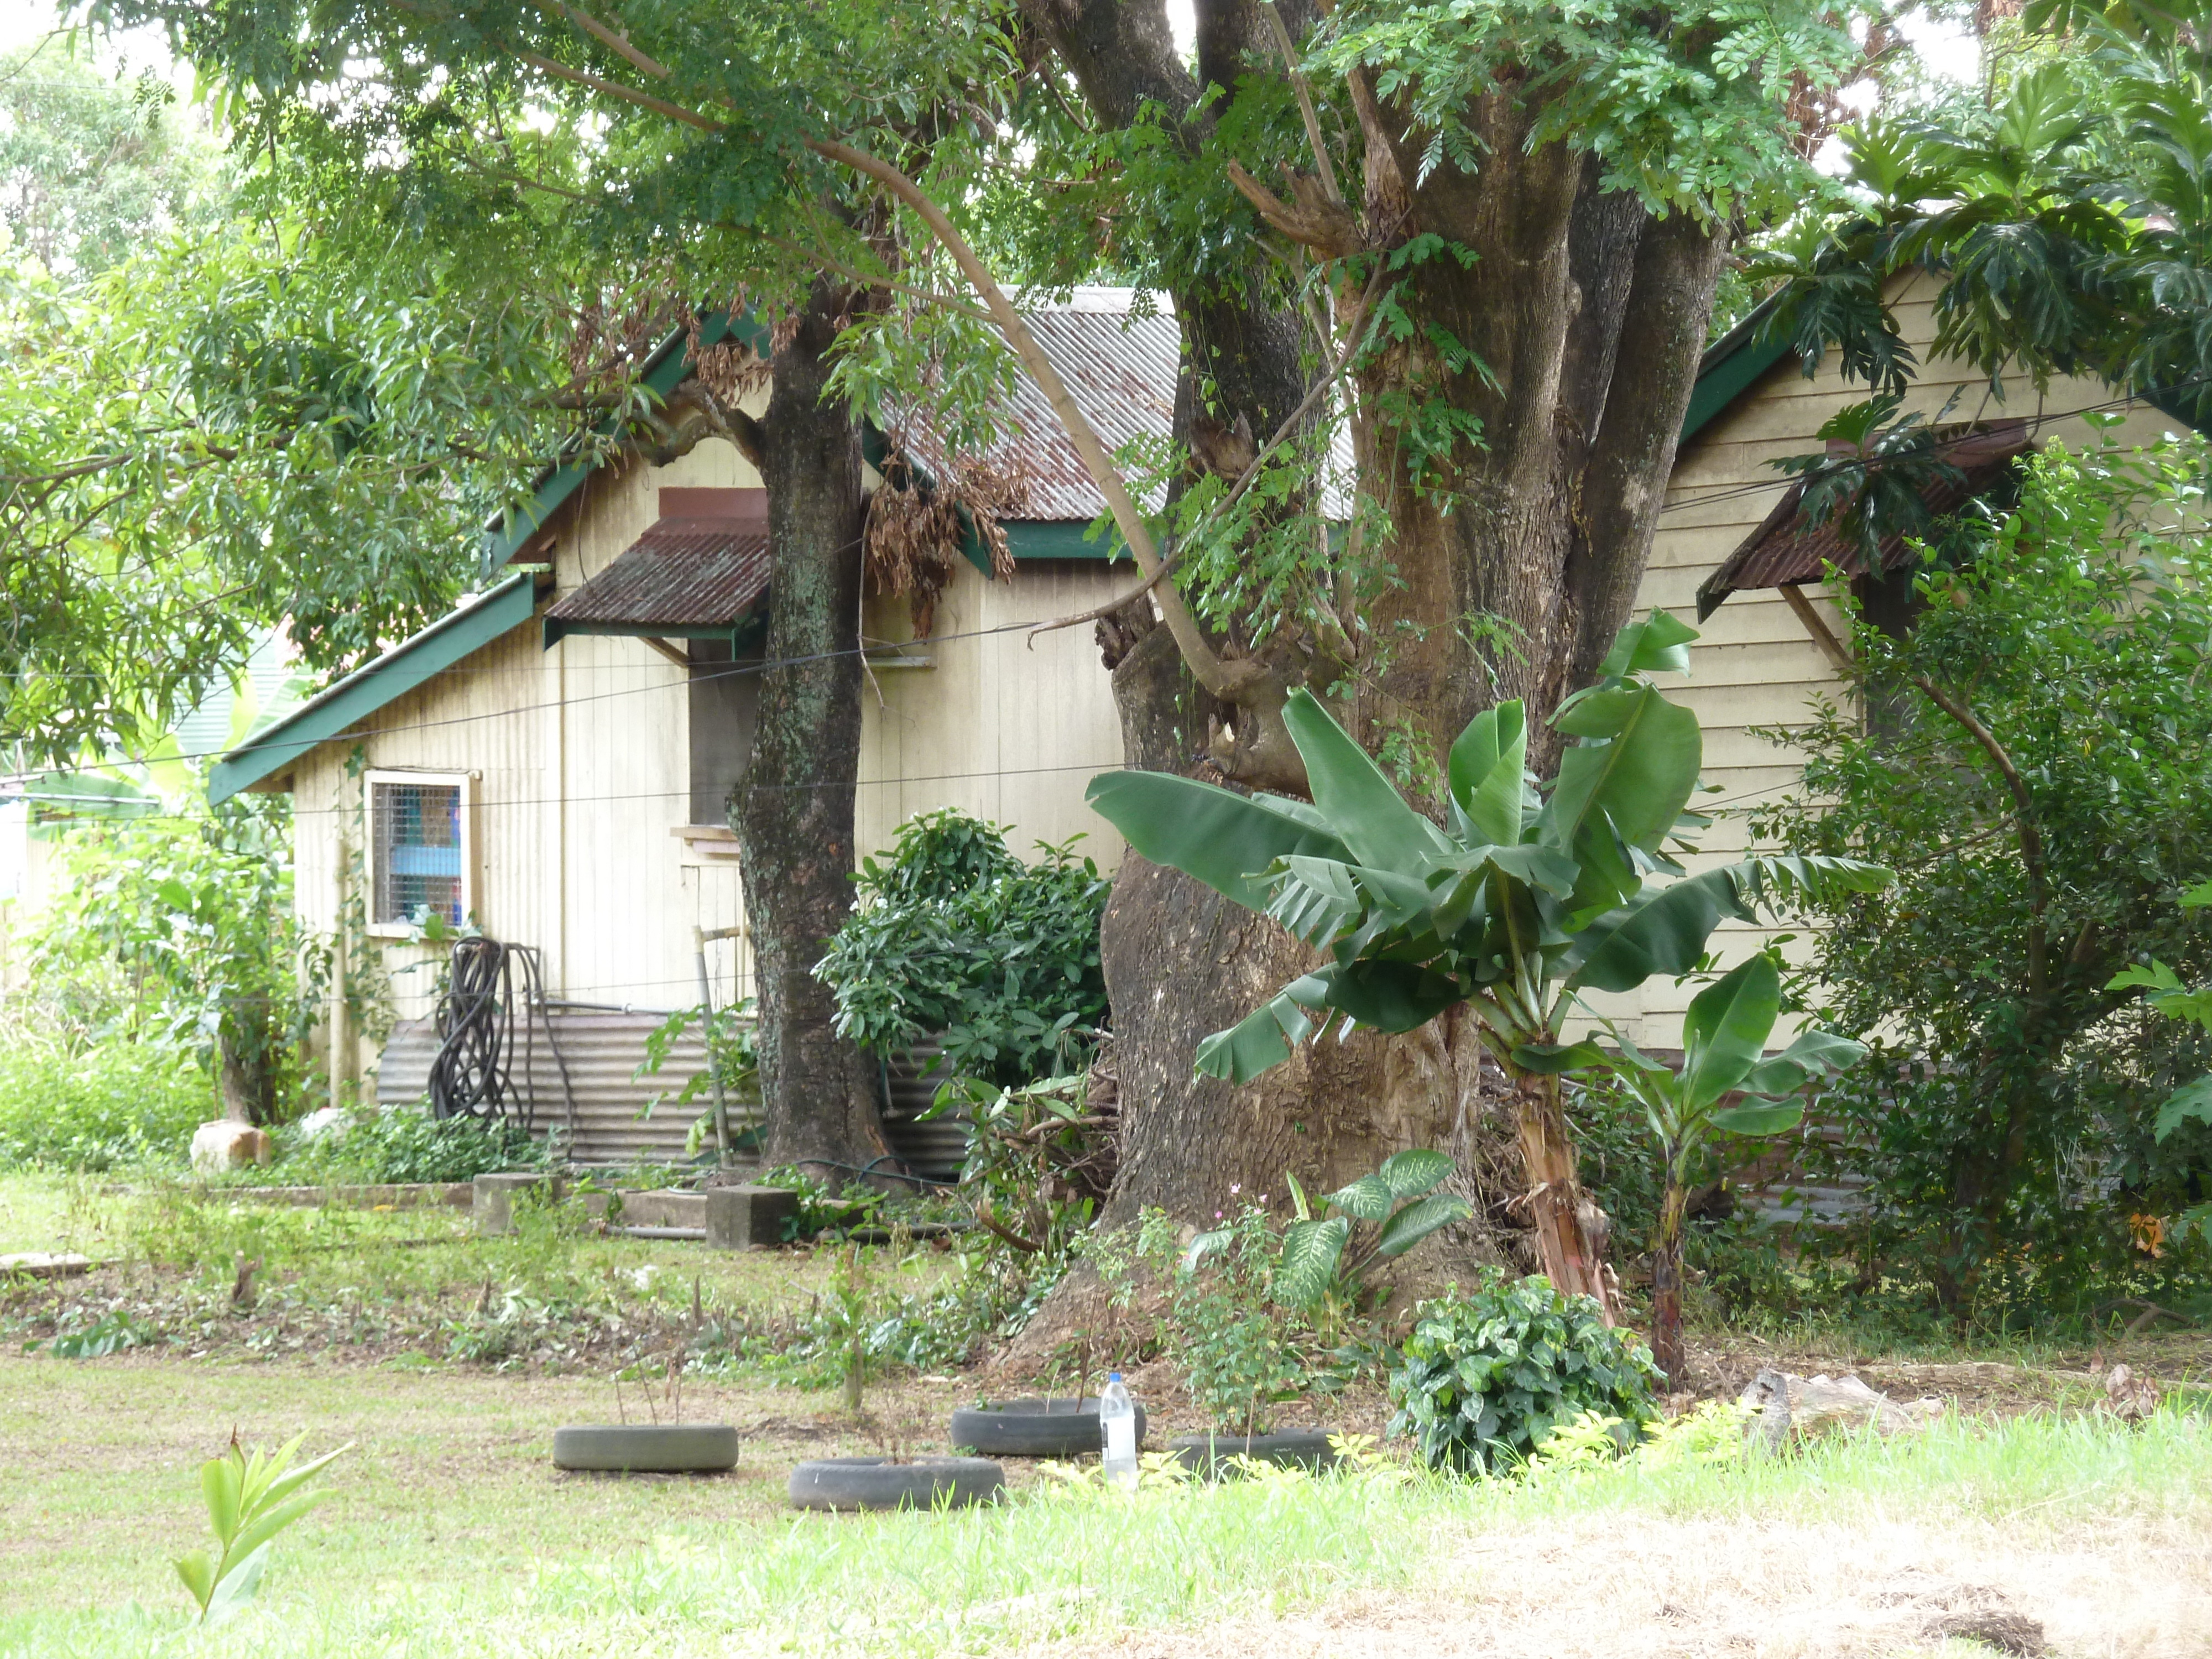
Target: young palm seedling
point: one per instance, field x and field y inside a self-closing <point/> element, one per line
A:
<point x="250" y="1499"/>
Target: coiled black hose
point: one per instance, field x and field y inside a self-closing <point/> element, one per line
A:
<point x="471" y="1075"/>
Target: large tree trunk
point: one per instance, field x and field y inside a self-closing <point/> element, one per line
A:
<point x="792" y="810"/>
<point x="1515" y="559"/>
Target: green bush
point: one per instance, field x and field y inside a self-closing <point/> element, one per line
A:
<point x="956" y="937"/>
<point x="115" y="1104"/>
<point x="2006" y="1120"/>
<point x="1487" y="1377"/>
<point x="409" y="1145"/>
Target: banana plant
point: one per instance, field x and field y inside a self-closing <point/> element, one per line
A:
<point x="1724" y="1039"/>
<point x="1520" y="900"/>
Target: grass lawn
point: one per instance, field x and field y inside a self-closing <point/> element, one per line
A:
<point x="450" y="1534"/>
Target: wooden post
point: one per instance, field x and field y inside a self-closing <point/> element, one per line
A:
<point x="340" y="1031"/>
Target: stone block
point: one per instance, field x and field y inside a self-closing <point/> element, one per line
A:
<point x="225" y="1143"/>
<point x="492" y="1205"/>
<point x="748" y="1217"/>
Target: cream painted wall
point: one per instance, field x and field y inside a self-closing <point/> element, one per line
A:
<point x="578" y="759"/>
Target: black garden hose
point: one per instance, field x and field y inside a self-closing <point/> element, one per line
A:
<point x="471" y="1075"/>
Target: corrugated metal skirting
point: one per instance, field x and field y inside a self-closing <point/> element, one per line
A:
<point x="603" y="1052"/>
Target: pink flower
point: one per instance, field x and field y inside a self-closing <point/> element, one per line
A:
<point x="1217" y="1215"/>
<point x="1234" y="1189"/>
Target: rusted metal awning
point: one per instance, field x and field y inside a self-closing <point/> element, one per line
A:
<point x="698" y="572"/>
<point x="1787" y="553"/>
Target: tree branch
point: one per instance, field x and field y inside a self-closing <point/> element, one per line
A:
<point x="1232" y="681"/>
<point x="1282" y="434"/>
<point x="2030" y="837"/>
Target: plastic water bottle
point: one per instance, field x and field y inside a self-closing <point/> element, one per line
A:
<point x="1117" y="1426"/>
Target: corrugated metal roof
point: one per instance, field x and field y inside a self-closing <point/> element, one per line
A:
<point x="682" y="572"/>
<point x="1785" y="551"/>
<point x="1120" y="367"/>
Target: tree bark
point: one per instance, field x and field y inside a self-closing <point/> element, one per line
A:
<point x="1571" y="335"/>
<point x="793" y="809"/>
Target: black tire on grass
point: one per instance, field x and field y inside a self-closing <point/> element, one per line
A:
<point x="876" y="1483"/>
<point x="1033" y="1428"/>
<point x="1209" y="1455"/>
<point x="647" y="1448"/>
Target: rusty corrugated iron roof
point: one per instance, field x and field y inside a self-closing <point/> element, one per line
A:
<point x="1119" y="367"/>
<point x="1785" y="551"/>
<point x="685" y="573"/>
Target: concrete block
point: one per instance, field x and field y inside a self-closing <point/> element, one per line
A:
<point x="748" y="1217"/>
<point x="664" y="1207"/>
<point x="492" y="1204"/>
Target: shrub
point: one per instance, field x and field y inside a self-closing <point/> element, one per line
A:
<point x="408" y="1145"/>
<point x="180" y="930"/>
<point x="2031" y="761"/>
<point x="116" y="1104"/>
<point x="955" y="938"/>
<point x="1487" y="1377"/>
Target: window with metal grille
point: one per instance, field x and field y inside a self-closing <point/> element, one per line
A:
<point x="419" y="848"/>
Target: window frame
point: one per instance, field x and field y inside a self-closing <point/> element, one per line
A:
<point x="465" y="783"/>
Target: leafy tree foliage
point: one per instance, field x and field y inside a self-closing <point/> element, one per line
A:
<point x="2042" y="798"/>
<point x="955" y="938"/>
<point x="2068" y="222"/>
<point x="179" y="930"/>
<point x="93" y="167"/>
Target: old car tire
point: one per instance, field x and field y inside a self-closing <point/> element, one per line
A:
<point x="647" y="1448"/>
<point x="876" y="1483"/>
<point x="1209" y="1454"/>
<point x="1032" y="1428"/>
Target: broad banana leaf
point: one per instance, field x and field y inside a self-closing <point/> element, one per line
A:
<point x="1487" y="770"/>
<point x="1725" y="1031"/>
<point x="1665" y="932"/>
<point x="1640" y="768"/>
<point x="1364" y="806"/>
<point x="1760" y="1117"/>
<point x="1816" y="1054"/>
<point x="1225" y="840"/>
<point x="1261" y="1040"/>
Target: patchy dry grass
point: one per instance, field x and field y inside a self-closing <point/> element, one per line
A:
<point x="451" y="1534"/>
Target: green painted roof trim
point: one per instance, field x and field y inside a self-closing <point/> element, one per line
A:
<point x="1731" y="366"/>
<point x="1053" y="538"/>
<point x="334" y="712"/>
<point x="662" y="373"/>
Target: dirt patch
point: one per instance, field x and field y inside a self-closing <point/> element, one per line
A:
<point x="1704" y="1590"/>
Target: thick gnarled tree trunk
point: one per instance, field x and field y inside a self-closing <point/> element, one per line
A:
<point x="1515" y="559"/>
<point x="793" y="809"/>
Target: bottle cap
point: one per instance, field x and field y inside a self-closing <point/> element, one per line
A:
<point x="1113" y="1377"/>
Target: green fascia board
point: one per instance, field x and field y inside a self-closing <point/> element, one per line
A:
<point x="664" y="372"/>
<point x="1052" y="538"/>
<point x="1731" y="366"/>
<point x="334" y="712"/>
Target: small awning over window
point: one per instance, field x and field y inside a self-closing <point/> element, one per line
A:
<point x="697" y="573"/>
<point x="1785" y="552"/>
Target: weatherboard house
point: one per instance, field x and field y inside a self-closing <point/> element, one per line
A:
<point x="550" y="760"/>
